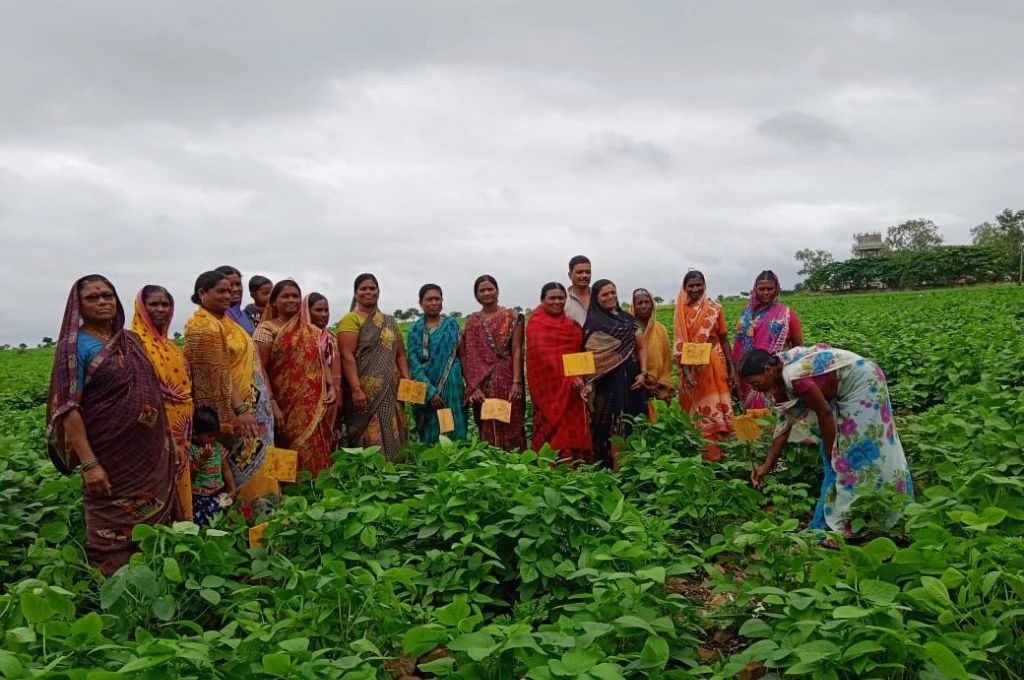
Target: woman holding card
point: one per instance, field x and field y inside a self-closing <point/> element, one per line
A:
<point x="434" y="359"/>
<point x="617" y="388"/>
<point x="373" y="361"/>
<point x="493" y="352"/>
<point x="559" y="405"/>
<point x="659" y="350"/>
<point x="289" y="349"/>
<point x="704" y="388"/>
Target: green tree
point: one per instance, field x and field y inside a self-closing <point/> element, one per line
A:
<point x="812" y="260"/>
<point x="912" y="236"/>
<point x="1007" y="234"/>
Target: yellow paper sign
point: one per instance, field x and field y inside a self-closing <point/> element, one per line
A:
<point x="256" y="534"/>
<point x="581" y="363"/>
<point x="496" y="409"/>
<point x="746" y="428"/>
<point x="282" y="464"/>
<point x="696" y="353"/>
<point x="412" y="391"/>
<point x="757" y="413"/>
<point x="260" y="485"/>
<point x="445" y="420"/>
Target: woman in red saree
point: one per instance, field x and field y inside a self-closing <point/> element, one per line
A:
<point x="704" y="390"/>
<point x="289" y="349"/>
<point x="559" y="408"/>
<point x="494" y="365"/>
<point x="105" y="414"/>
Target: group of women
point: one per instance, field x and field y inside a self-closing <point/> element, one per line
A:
<point x="121" y="402"/>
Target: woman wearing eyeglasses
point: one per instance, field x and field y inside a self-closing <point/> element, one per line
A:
<point x="105" y="414"/>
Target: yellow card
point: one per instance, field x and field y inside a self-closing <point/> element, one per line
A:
<point x="282" y="464"/>
<point x="259" y="486"/>
<point x="445" y="420"/>
<point x="696" y="353"/>
<point x="757" y="413"/>
<point x="412" y="391"/>
<point x="581" y="363"/>
<point x="256" y="534"/>
<point x="496" y="409"/>
<point x="746" y="428"/>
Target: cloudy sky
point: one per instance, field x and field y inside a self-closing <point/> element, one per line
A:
<point x="435" y="140"/>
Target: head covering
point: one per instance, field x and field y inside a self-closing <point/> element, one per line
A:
<point x="64" y="394"/>
<point x="620" y="325"/>
<point x="753" y="303"/>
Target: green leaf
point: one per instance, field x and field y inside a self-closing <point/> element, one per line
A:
<point x="936" y="591"/>
<point x="276" y="664"/>
<point x="849" y="612"/>
<point x="299" y="644"/>
<point x="421" y="639"/>
<point x="451" y="614"/>
<point x="552" y="498"/>
<point x="112" y="590"/>
<point x="606" y="671"/>
<point x="862" y="648"/>
<point x="368" y="537"/>
<point x="89" y="626"/>
<point x="881" y="548"/>
<point x="634" y="622"/>
<point x="810" y="652"/>
<point x="574" y="663"/>
<point x="443" y="666"/>
<point x="10" y="665"/>
<point x="478" y="645"/>
<point x="878" y="592"/>
<point x="654" y="654"/>
<point x="163" y="608"/>
<point x="211" y="596"/>
<point x="53" y="532"/>
<point x="946" y="661"/>
<point x="656" y="574"/>
<point x="212" y="581"/>
<point x="755" y="628"/>
<point x="172" y="570"/>
<point x="35" y="608"/>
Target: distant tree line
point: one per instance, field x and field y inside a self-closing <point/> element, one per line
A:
<point x="913" y="255"/>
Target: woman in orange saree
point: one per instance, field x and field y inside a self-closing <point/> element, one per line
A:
<point x="704" y="390"/>
<point x="154" y="309"/>
<point x="300" y="382"/>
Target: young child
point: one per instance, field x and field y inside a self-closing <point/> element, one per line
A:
<point x="213" y="485"/>
<point x="260" y="288"/>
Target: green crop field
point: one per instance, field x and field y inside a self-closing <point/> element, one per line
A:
<point x="470" y="562"/>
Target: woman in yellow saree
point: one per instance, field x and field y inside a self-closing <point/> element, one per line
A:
<point x="289" y="348"/>
<point x="659" y="350"/>
<point x="227" y="377"/>
<point x="154" y="309"/>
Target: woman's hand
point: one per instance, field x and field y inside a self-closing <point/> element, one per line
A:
<point x="278" y="415"/>
<point x="359" y="399"/>
<point x="332" y="396"/>
<point x="477" y="397"/>
<point x="758" y="473"/>
<point x="436" y="401"/>
<point x="516" y="392"/>
<point x="640" y="382"/>
<point x="96" y="481"/>
<point x="246" y="426"/>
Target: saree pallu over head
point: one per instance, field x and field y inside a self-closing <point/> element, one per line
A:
<point x="376" y="364"/>
<point x="332" y="361"/>
<point x="176" y="384"/>
<point x="122" y="407"/>
<point x="223" y="357"/>
<point x="298" y="379"/>
<point x="433" y="359"/>
<point x="611" y="337"/>
<point x="559" y="414"/>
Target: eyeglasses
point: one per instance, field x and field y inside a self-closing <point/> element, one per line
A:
<point x="95" y="297"/>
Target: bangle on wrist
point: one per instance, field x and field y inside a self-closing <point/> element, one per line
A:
<point x="240" y="409"/>
<point x="89" y="464"/>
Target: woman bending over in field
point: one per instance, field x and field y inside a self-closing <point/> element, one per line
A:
<point x="860" y="448"/>
<point x="154" y="309"/>
<point x="227" y="377"/>
<point x="105" y="414"/>
<point x="300" y="380"/>
<point x="617" y="389"/>
<point x="373" y="361"/>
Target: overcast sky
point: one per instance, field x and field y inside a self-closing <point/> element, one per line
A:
<point x="438" y="140"/>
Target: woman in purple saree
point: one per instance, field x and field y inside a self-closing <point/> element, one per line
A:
<point x="105" y="414"/>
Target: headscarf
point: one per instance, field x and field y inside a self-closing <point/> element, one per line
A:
<point x="306" y="315"/>
<point x="762" y="326"/>
<point x="64" y="395"/>
<point x="611" y="337"/>
<point x="168" y="361"/>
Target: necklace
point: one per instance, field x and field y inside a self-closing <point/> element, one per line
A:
<point x="98" y="333"/>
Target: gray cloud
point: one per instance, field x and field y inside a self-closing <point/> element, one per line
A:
<point x="439" y="140"/>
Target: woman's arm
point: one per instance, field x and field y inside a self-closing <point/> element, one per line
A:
<point x="348" y="342"/>
<point x="796" y="331"/>
<point x="758" y="473"/>
<point x="418" y="369"/>
<point x="95" y="477"/>
<point x="641" y="350"/>
<point x="723" y="339"/>
<point x="229" y="477"/>
<point x="401" y="359"/>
